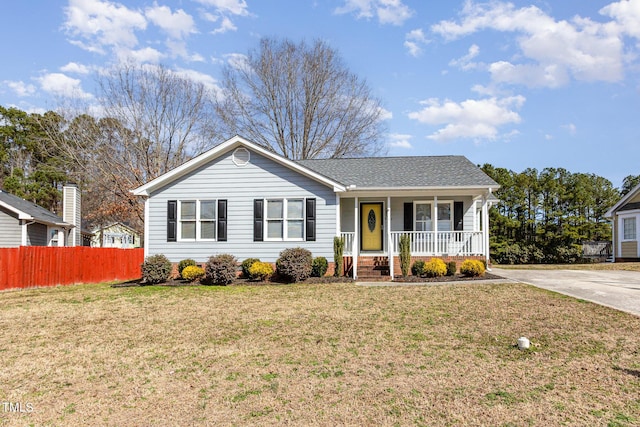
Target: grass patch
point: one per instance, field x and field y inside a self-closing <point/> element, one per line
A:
<point x="326" y="354"/>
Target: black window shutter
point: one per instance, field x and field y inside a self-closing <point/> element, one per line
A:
<point x="408" y="216"/>
<point x="222" y="220"/>
<point x="458" y="214"/>
<point x="310" y="223"/>
<point x="172" y="220"/>
<point x="258" y="223"/>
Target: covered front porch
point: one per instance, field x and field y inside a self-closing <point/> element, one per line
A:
<point x="451" y="225"/>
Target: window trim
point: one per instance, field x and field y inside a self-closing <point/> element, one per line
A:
<point x="623" y="219"/>
<point x="434" y="207"/>
<point x="285" y="220"/>
<point x="198" y="221"/>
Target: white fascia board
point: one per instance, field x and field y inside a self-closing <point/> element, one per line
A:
<point x="21" y="215"/>
<point x="236" y="141"/>
<point x="622" y="201"/>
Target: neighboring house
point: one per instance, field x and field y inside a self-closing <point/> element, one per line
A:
<point x="116" y="235"/>
<point x="242" y="199"/>
<point x="625" y="223"/>
<point x="23" y="223"/>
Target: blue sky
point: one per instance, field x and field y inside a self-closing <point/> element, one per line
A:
<point x="515" y="84"/>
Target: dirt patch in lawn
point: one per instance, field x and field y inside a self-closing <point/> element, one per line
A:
<point x="315" y="354"/>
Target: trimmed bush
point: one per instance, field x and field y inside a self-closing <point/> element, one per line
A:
<point x="338" y="252"/>
<point x="435" y="268"/>
<point x="472" y="268"/>
<point x="319" y="266"/>
<point x="185" y="263"/>
<point x="220" y="269"/>
<point x="417" y="269"/>
<point x="451" y="268"/>
<point x="156" y="269"/>
<point x="192" y="273"/>
<point x="260" y="270"/>
<point x="405" y="254"/>
<point x="294" y="264"/>
<point x="246" y="265"/>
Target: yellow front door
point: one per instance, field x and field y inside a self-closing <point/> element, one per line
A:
<point x="371" y="226"/>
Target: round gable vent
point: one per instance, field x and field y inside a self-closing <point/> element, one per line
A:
<point x="241" y="156"/>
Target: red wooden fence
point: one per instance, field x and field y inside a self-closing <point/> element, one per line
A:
<point x="29" y="266"/>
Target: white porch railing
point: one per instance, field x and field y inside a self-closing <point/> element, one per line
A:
<point x="452" y="243"/>
<point x="348" y="242"/>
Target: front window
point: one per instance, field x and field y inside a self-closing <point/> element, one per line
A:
<point x="423" y="217"/>
<point x="197" y="220"/>
<point x="629" y="228"/>
<point x="285" y="219"/>
<point x="444" y="217"/>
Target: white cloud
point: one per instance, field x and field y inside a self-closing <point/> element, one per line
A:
<point x="399" y="140"/>
<point x="627" y="16"/>
<point x="205" y="79"/>
<point x="571" y="128"/>
<point x="176" y="24"/>
<point x="477" y="119"/>
<point x="237" y="60"/>
<point x="552" y="52"/>
<point x="62" y="85"/>
<point x="141" y="56"/>
<point x="393" y="12"/>
<point x="414" y="40"/>
<point x="465" y="63"/>
<point x="102" y="24"/>
<point x="232" y="7"/>
<point x="225" y="26"/>
<point x="75" y="68"/>
<point x="20" y="88"/>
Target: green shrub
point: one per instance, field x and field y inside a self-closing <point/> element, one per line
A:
<point x="451" y="268"/>
<point x="405" y="254"/>
<point x="220" y="269"/>
<point x="246" y="265"/>
<point x="185" y="263"/>
<point x="192" y="273"/>
<point x="472" y="268"/>
<point x="435" y="268"/>
<point x="319" y="266"/>
<point x="417" y="269"/>
<point x="260" y="270"/>
<point x="338" y="253"/>
<point x="156" y="269"/>
<point x="294" y="264"/>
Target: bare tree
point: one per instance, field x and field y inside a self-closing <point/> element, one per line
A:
<point x="153" y="121"/>
<point x="301" y="102"/>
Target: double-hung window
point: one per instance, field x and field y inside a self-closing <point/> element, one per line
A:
<point x="197" y="219"/>
<point x="629" y="228"/>
<point x="444" y="217"/>
<point x="423" y="216"/>
<point x="284" y="219"/>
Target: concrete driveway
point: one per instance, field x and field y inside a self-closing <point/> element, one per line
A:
<point x="616" y="289"/>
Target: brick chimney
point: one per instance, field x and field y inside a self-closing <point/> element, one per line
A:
<point x="71" y="213"/>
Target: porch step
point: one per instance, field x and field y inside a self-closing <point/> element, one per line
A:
<point x="373" y="269"/>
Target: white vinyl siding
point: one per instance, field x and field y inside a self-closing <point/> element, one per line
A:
<point x="11" y="234"/>
<point x="221" y="179"/>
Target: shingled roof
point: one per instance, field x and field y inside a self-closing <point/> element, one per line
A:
<point x="402" y="172"/>
<point x="34" y="212"/>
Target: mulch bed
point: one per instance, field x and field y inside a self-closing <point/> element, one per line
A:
<point x="317" y="280"/>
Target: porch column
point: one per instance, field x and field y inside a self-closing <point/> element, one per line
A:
<point x="61" y="237"/>
<point x="485" y="228"/>
<point x="436" y="241"/>
<point x="389" y="242"/>
<point x="356" y="239"/>
<point x="338" y="226"/>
